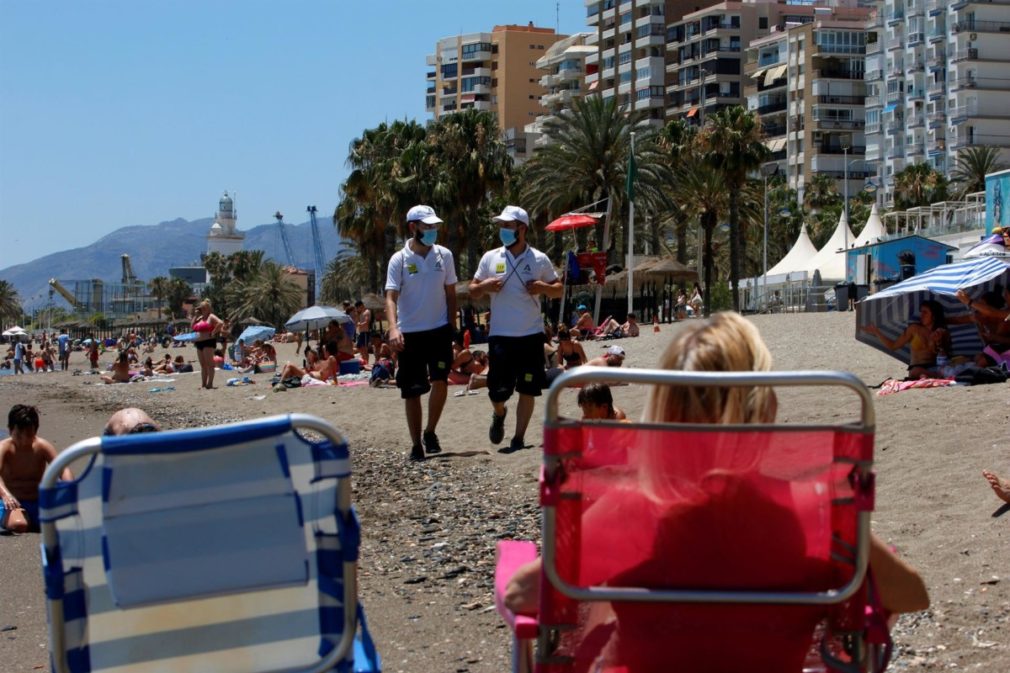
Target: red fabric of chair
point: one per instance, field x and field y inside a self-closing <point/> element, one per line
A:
<point x="698" y="508"/>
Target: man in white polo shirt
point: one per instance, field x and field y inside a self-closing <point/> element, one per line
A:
<point x="421" y="306"/>
<point x="515" y="275"/>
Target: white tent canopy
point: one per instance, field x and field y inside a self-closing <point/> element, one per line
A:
<point x="15" y="331"/>
<point x="799" y="256"/>
<point x="873" y="231"/>
<point x="829" y="260"/>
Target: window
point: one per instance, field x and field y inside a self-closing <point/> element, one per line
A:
<point x="469" y="50"/>
<point x="763" y="23"/>
<point x="449" y="71"/>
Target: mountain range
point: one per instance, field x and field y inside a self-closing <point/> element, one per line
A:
<point x="155" y="248"/>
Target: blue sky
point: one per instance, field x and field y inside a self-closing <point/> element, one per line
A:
<point x="119" y="112"/>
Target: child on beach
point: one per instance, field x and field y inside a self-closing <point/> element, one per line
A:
<point x="23" y="458"/>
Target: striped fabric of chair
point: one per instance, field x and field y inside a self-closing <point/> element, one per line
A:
<point x="231" y="548"/>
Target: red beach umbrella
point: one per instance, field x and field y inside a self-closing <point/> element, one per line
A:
<point x="571" y="221"/>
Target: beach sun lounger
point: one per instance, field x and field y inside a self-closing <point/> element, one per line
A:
<point x="231" y="548"/>
<point x="689" y="547"/>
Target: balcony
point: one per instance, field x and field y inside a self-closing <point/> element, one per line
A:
<point x="894" y="96"/>
<point x="916" y="65"/>
<point x="937" y="120"/>
<point x="895" y="151"/>
<point x="842" y="100"/>
<point x="841" y="49"/>
<point x="916" y="121"/>
<point x="937" y="34"/>
<point x="936" y="88"/>
<point x="777" y="106"/>
<point x="896" y="124"/>
<point x="965" y="55"/>
<point x="829" y="124"/>
<point x="773" y="130"/>
<point x="872" y="101"/>
<point x="872" y="127"/>
<point x="836" y="73"/>
<point x="895" y="17"/>
<point x="961" y="4"/>
<point x="855" y="150"/>
<point x="975" y="26"/>
<point x="915" y="93"/>
<point x="873" y="75"/>
<point x="961" y="113"/>
<point x="915" y="38"/>
<point x="976" y="140"/>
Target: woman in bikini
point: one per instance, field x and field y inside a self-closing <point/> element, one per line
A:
<point x="206" y="325"/>
<point x="926" y="339"/>
<point x="120" y="370"/>
<point x="569" y="352"/>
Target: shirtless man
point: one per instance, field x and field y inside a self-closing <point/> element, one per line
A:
<point x="338" y="335"/>
<point x="23" y="459"/>
<point x="364" y="328"/>
<point x="614" y="357"/>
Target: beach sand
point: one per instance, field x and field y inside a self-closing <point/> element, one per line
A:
<point x="429" y="530"/>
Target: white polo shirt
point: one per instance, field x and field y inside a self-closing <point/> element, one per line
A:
<point x="514" y="311"/>
<point x="421" y="283"/>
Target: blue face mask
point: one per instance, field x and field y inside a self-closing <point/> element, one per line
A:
<point x="507" y="236"/>
<point x="427" y="237"/>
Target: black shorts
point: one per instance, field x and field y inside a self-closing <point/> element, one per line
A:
<point x="426" y="356"/>
<point x="516" y="363"/>
<point x="206" y="343"/>
<point x="362" y="339"/>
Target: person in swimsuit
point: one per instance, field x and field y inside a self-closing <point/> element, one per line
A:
<point x="990" y="313"/>
<point x="925" y="339"/>
<point x="120" y="370"/>
<point x="570" y="352"/>
<point x="206" y="325"/>
<point x="23" y="459"/>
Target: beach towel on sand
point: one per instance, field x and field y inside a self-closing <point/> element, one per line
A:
<point x="891" y="386"/>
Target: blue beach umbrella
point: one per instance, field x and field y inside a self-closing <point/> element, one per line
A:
<point x="893" y="309"/>
<point x="254" y="332"/>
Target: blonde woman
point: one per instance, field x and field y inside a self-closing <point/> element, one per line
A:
<point x="695" y="512"/>
<point x="207" y="326"/>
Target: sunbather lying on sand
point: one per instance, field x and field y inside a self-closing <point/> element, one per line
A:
<point x="324" y="370"/>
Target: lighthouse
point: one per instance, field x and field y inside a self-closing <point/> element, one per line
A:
<point x="223" y="237"/>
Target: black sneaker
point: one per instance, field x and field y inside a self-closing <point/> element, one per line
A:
<point x="497" y="431"/>
<point x="517" y="444"/>
<point x="417" y="453"/>
<point x="431" y="444"/>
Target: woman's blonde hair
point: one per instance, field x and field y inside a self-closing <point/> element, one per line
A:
<point x="204" y="304"/>
<point x="726" y="342"/>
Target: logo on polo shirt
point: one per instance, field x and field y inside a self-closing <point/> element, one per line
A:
<point x="412" y="269"/>
<point x="526" y="268"/>
<point x="500" y="267"/>
<point x="438" y="265"/>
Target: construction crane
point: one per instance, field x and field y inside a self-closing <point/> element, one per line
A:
<point x="64" y="292"/>
<point x="284" y="238"/>
<point x="317" y="248"/>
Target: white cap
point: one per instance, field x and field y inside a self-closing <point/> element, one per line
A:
<point x="615" y="350"/>
<point x="513" y="214"/>
<point x="424" y="214"/>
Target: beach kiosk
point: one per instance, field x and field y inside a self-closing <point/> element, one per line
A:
<point x="887" y="262"/>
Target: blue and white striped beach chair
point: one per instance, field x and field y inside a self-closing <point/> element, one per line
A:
<point x="232" y="548"/>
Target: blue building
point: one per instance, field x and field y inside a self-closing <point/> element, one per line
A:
<point x="884" y="263"/>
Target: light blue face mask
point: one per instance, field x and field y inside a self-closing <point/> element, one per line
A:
<point x="427" y="237"/>
<point x="507" y="236"/>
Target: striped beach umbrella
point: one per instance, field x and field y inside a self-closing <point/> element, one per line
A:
<point x="893" y="309"/>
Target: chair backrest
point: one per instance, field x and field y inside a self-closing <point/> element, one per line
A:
<point x="700" y="547"/>
<point x="230" y="548"/>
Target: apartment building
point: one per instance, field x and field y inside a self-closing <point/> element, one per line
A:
<point x="806" y="82"/>
<point x="493" y="71"/>
<point x="938" y="82"/>
<point x="704" y="56"/>
<point x="563" y="77"/>
<point x="630" y="41"/>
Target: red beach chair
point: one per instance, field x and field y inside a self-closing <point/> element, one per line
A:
<point x="702" y="548"/>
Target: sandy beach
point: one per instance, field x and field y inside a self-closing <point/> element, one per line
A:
<point x="429" y="529"/>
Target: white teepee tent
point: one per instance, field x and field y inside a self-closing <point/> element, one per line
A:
<point x="873" y="231"/>
<point x="829" y="260"/>
<point x="799" y="256"/>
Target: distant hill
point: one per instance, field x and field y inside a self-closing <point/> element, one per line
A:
<point x="155" y="248"/>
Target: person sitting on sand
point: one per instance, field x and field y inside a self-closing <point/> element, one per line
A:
<point x="338" y="335"/>
<point x="164" y="366"/>
<point x="181" y="366"/>
<point x="597" y="403"/>
<point x="324" y="370"/>
<point x="466" y="365"/>
<point x="569" y="353"/>
<point x="584" y="326"/>
<point x="24" y="457"/>
<point x="120" y="370"/>
<point x="148" y="368"/>
<point x="990" y="313"/>
<point x="705" y="520"/>
<point x="926" y="339"/>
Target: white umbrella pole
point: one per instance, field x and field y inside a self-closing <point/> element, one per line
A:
<point x="631" y="240"/>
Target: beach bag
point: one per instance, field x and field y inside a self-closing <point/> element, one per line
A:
<point x="976" y="376"/>
<point x="292" y="382"/>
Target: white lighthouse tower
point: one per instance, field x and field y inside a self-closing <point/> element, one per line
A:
<point x="223" y="237"/>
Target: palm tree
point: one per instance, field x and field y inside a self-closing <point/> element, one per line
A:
<point x="158" y="287"/>
<point x="586" y="158"/>
<point x="470" y="161"/>
<point x="700" y="190"/>
<point x="270" y="295"/>
<point x="345" y="276"/>
<point x="973" y="164"/>
<point x="176" y="293"/>
<point x="733" y="139"/>
<point x="678" y="137"/>
<point x="10" y="303"/>
<point x="918" y="185"/>
<point x="821" y="192"/>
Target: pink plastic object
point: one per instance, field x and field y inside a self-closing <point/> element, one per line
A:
<point x="511" y="555"/>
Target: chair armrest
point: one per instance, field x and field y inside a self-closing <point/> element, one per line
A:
<point x="512" y="554"/>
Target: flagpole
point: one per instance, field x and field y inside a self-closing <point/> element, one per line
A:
<point x="631" y="226"/>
